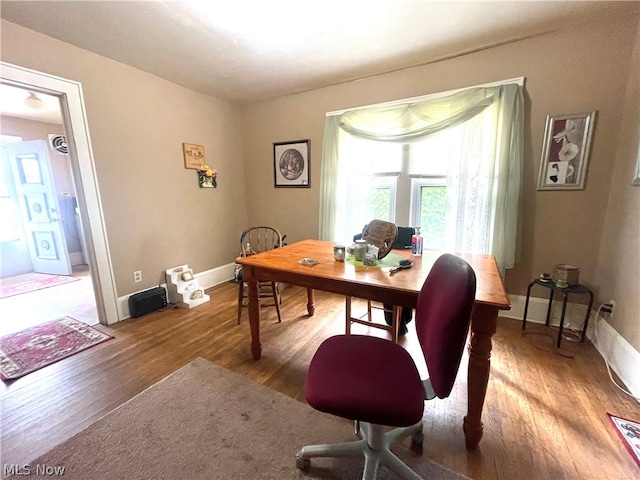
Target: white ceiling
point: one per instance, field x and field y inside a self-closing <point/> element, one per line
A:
<point x="248" y="51"/>
<point x="12" y="103"/>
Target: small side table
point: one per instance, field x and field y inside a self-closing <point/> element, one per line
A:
<point x="571" y="289"/>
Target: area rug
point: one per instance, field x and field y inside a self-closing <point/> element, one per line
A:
<point x="629" y="432"/>
<point x="206" y="422"/>
<point x="36" y="281"/>
<point x="36" y="347"/>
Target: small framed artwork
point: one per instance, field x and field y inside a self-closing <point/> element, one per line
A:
<point x="187" y="276"/>
<point x="565" y="151"/>
<point x="291" y="166"/>
<point x="193" y="156"/>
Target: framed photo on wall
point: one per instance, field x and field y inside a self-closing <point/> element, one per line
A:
<point x="565" y="151"/>
<point x="193" y="156"/>
<point x="291" y="166"/>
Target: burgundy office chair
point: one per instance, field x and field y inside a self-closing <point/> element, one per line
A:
<point x="376" y="383"/>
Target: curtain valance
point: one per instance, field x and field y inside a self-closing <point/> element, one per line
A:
<point x="414" y="121"/>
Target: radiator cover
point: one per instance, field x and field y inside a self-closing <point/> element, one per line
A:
<point x="147" y="301"/>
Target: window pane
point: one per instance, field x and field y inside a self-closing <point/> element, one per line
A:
<point x="29" y="169"/>
<point x="379" y="203"/>
<point x="433" y="204"/>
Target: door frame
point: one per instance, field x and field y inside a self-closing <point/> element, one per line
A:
<point x="85" y="180"/>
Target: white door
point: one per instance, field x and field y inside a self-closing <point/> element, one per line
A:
<point x="38" y="201"/>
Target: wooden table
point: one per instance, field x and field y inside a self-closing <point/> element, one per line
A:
<point x="401" y="290"/>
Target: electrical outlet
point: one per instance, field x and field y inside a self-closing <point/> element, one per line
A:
<point x="137" y="276"/>
<point x="613" y="306"/>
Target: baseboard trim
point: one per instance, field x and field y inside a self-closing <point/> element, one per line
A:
<point x="618" y="353"/>
<point x="622" y="357"/>
<point x="207" y="279"/>
<point x="76" y="258"/>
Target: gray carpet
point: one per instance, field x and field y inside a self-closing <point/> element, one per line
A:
<point x="205" y="422"/>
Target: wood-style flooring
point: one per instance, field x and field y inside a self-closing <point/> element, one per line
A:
<point x="545" y="415"/>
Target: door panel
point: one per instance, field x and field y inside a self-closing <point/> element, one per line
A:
<point x="39" y="204"/>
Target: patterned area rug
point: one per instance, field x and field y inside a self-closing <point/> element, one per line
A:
<point x="629" y="432"/>
<point x="36" y="347"/>
<point x="35" y="282"/>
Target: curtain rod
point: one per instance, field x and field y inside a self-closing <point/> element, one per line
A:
<point x="430" y="96"/>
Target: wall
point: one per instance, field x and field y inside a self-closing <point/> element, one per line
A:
<point x="619" y="256"/>
<point x="156" y="216"/>
<point x="576" y="70"/>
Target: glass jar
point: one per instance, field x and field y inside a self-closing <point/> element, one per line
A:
<point x="370" y="259"/>
<point x="360" y="250"/>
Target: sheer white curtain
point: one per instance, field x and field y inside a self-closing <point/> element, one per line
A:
<point x="484" y="130"/>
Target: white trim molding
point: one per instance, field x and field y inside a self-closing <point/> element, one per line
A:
<point x="76" y="125"/>
<point x="207" y="279"/>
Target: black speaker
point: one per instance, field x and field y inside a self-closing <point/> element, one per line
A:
<point x="147" y="301"/>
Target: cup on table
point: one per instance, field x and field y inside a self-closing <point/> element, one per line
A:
<point x="339" y="252"/>
<point x="370" y="259"/>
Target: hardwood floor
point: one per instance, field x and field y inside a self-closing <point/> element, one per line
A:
<point x="545" y="415"/>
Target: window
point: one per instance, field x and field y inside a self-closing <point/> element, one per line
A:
<point x="429" y="208"/>
<point x="402" y="183"/>
<point x="450" y="163"/>
<point x="381" y="198"/>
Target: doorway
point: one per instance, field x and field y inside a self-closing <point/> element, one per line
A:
<point x="43" y="272"/>
<point x="69" y="95"/>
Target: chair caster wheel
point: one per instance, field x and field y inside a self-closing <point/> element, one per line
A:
<point x="302" y="463"/>
<point x="416" y="442"/>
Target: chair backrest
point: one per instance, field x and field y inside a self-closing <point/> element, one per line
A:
<point x="382" y="234"/>
<point x="403" y="238"/>
<point x="259" y="239"/>
<point x="443" y="314"/>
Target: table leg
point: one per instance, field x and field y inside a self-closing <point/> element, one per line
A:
<point x="586" y="318"/>
<point x="395" y="323"/>
<point x="254" y="320"/>
<point x="311" y="304"/>
<point x="549" y="308"/>
<point x="561" y="327"/>
<point x="526" y="306"/>
<point x="483" y="326"/>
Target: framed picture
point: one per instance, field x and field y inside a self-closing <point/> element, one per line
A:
<point x="291" y="164"/>
<point x="187" y="276"/>
<point x="193" y="156"/>
<point x="565" y="151"/>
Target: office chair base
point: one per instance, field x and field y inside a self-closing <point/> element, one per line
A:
<point x="374" y="446"/>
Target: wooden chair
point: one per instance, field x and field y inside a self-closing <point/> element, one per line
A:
<point x="381" y="234"/>
<point x="256" y="240"/>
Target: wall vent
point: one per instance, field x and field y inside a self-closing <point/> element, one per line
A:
<point x="58" y="144"/>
